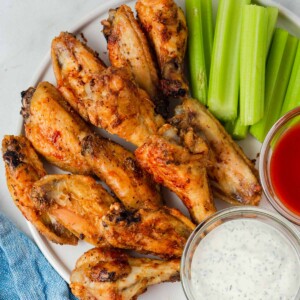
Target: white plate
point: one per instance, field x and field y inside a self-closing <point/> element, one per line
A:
<point x="63" y="258"/>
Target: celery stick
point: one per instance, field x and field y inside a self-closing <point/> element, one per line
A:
<point x="236" y="129"/>
<point x="253" y="61"/>
<point x="208" y="31"/>
<point x="292" y="97"/>
<point x="279" y="67"/>
<point x="272" y="14"/>
<point x="198" y="77"/>
<point x="223" y="88"/>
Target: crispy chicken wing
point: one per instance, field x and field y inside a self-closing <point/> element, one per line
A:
<point x="56" y="131"/>
<point x="126" y="176"/>
<point x="233" y="176"/>
<point x="109" y="99"/>
<point x="128" y="47"/>
<point x="165" y="25"/>
<point x="76" y="201"/>
<point x="23" y="168"/>
<point x="161" y="232"/>
<point x="178" y="161"/>
<point x="111" y="274"/>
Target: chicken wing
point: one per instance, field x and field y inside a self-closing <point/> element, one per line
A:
<point x="56" y="131"/>
<point x="128" y="180"/>
<point x="111" y="274"/>
<point x="23" y="168"/>
<point x="233" y="176"/>
<point x="128" y="47"/>
<point x="165" y="25"/>
<point x="78" y="202"/>
<point x="178" y="161"/>
<point x="109" y="99"/>
<point x="162" y="232"/>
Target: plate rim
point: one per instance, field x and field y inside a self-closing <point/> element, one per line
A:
<point x="52" y="258"/>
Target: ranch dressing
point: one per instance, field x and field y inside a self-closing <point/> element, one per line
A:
<point x="245" y="259"/>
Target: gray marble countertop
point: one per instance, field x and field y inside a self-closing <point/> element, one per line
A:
<point x="26" y="31"/>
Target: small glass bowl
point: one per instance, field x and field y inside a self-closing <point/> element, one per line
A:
<point x="233" y="213"/>
<point x="276" y="132"/>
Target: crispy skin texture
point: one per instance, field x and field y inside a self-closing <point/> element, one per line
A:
<point x="233" y="176"/>
<point x="165" y="25"/>
<point x="23" y="168"/>
<point x="56" y="131"/>
<point x="76" y="201"/>
<point x="108" y="99"/>
<point x="126" y="178"/>
<point x="183" y="170"/>
<point x="162" y="232"/>
<point x="111" y="274"/>
<point x="128" y="47"/>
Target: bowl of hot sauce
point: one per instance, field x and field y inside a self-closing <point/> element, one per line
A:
<point x="279" y="166"/>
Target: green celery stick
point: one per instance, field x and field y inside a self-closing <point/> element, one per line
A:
<point x="273" y="15"/>
<point x="198" y="77"/>
<point x="236" y="129"/>
<point x="279" y="67"/>
<point x="208" y="32"/>
<point x="252" y="63"/>
<point x="292" y="97"/>
<point x="223" y="88"/>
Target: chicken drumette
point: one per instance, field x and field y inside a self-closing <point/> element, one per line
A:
<point x="23" y="169"/>
<point x="111" y="274"/>
<point x="57" y="132"/>
<point x="162" y="232"/>
<point x="165" y="25"/>
<point x="108" y="98"/>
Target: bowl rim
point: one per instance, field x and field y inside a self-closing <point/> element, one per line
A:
<point x="264" y="179"/>
<point x="230" y="212"/>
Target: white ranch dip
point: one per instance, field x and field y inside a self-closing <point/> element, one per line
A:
<point x="245" y="259"/>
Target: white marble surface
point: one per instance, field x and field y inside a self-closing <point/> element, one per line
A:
<point x="26" y="31"/>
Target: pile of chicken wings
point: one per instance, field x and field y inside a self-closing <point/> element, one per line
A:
<point x="189" y="152"/>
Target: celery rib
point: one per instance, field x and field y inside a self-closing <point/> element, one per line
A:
<point x="253" y="61"/>
<point x="198" y="78"/>
<point x="223" y="88"/>
<point x="292" y="97"/>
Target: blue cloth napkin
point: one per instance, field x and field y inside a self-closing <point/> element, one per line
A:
<point x="25" y="273"/>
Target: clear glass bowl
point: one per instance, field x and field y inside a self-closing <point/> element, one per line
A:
<point x="276" y="132"/>
<point x="226" y="215"/>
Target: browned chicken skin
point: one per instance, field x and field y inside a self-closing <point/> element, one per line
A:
<point x="76" y="201"/>
<point x="23" y="169"/>
<point x="179" y="163"/>
<point x="162" y="232"/>
<point x="107" y="98"/>
<point x="56" y="131"/>
<point x="111" y="274"/>
<point x="126" y="176"/>
<point x="165" y="25"/>
<point x="233" y="176"/>
<point x="128" y="47"/>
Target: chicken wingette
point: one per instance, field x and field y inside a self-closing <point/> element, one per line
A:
<point x="111" y="274"/>
<point x="162" y="232"/>
<point x="78" y="202"/>
<point x="233" y="176"/>
<point x="57" y="132"/>
<point x="165" y="25"/>
<point x="178" y="160"/>
<point x="108" y="98"/>
<point x="128" y="47"/>
<point x="23" y="168"/>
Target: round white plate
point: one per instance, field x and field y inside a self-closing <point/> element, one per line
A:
<point x="63" y="258"/>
